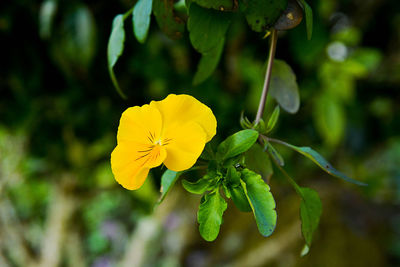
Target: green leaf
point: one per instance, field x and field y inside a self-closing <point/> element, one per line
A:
<point x="198" y="187"/>
<point x="261" y="200"/>
<point x="168" y="180"/>
<point x="208" y="63"/>
<point x="321" y="162"/>
<point x="209" y="216"/>
<point x="258" y="161"/>
<point x="208" y="152"/>
<point x="141" y="19"/>
<point x="47" y="12"/>
<point x="239" y="198"/>
<point x="330" y="119"/>
<point x="115" y="48"/>
<point x="310" y="213"/>
<point x="284" y="87"/>
<point x="262" y="14"/>
<point x="232" y="176"/>
<point x="236" y="144"/>
<point x="221" y="5"/>
<point x="309" y="18"/>
<point x="207" y="27"/>
<point x="172" y="25"/>
<point x="273" y="120"/>
<point x="275" y="154"/>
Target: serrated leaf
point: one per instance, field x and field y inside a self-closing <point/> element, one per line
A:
<point x="262" y="14"/>
<point x="273" y="120"/>
<point x="258" y="161"/>
<point x="199" y="187"/>
<point x="261" y="200"/>
<point x="172" y="25"/>
<point x="168" y="180"/>
<point x="284" y="87"/>
<point x="310" y="213"/>
<point x="141" y="19"/>
<point x="236" y="144"/>
<point x="321" y="162"/>
<point x="309" y="18"/>
<point x="209" y="216"/>
<point x="275" y="154"/>
<point x="115" y="48"/>
<point x="208" y="63"/>
<point x="221" y="5"/>
<point x="239" y="198"/>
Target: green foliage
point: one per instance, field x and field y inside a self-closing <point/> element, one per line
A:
<point x="168" y="21"/>
<point x="209" y="216"/>
<point x="284" y="87"/>
<point x="274" y="154"/>
<point x="115" y="48"/>
<point x="168" y="180"/>
<point x="261" y="200"/>
<point x="198" y="187"/>
<point x="273" y="120"/>
<point x="222" y="5"/>
<point x="309" y="18"/>
<point x="310" y="213"/>
<point x="262" y="14"/>
<point x="141" y="19"/>
<point x="257" y="159"/>
<point x="236" y="144"/>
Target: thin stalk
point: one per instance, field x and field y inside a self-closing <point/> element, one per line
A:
<point x="263" y="99"/>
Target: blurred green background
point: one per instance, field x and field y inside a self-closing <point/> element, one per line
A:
<point x="59" y="113"/>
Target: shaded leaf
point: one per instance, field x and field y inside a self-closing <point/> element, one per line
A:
<point x="221" y="5"/>
<point x="236" y="144"/>
<point x="208" y="63"/>
<point x="209" y="216"/>
<point x="275" y="154"/>
<point x="232" y="176"/>
<point x="309" y="18"/>
<point x="141" y="19"/>
<point x="208" y="153"/>
<point x="262" y="14"/>
<point x="284" y="87"/>
<point x="172" y="25"/>
<point x="239" y="198"/>
<point x="261" y="200"/>
<point x="310" y="213"/>
<point x="47" y="13"/>
<point x="115" y="48"/>
<point x="258" y="161"/>
<point x="168" y="180"/>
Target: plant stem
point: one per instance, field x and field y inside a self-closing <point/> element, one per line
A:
<point x="263" y="99"/>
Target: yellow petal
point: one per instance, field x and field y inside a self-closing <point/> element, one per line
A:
<point x="184" y="144"/>
<point x="181" y="109"/>
<point x="141" y="125"/>
<point x="131" y="163"/>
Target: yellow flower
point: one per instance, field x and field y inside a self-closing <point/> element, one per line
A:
<point x="172" y="131"/>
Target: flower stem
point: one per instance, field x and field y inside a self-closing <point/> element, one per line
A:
<point x="263" y="99"/>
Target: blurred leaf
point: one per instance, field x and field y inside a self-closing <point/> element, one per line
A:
<point x="305" y="251"/>
<point x="141" y="19"/>
<point x="258" y="161"/>
<point x="47" y="12"/>
<point x="208" y="63"/>
<point x="239" y="198"/>
<point x="261" y="200"/>
<point x="208" y="153"/>
<point x="309" y="18"/>
<point x="207" y="28"/>
<point x="330" y="119"/>
<point x="115" y="48"/>
<point x="368" y="57"/>
<point x="198" y="187"/>
<point x="275" y="154"/>
<point x="168" y="180"/>
<point x="284" y="87"/>
<point x="209" y="216"/>
<point x="236" y="144"/>
<point x="172" y="25"/>
<point x="221" y="5"/>
<point x="310" y="213"/>
<point x="273" y="120"/>
<point x="321" y="162"/>
<point x="261" y="14"/>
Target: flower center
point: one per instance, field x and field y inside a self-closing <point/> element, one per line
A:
<point x="158" y="142"/>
